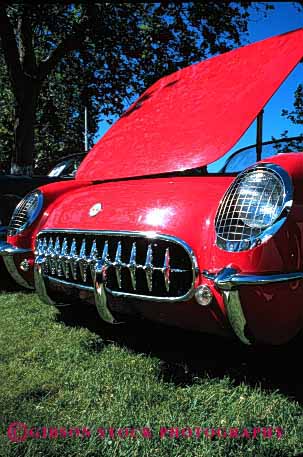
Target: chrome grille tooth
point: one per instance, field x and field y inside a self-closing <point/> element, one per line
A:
<point x="57" y="260"/>
<point x="39" y="254"/>
<point x="132" y="266"/>
<point x="50" y="255"/>
<point x="73" y="259"/>
<point x="44" y="246"/>
<point x="64" y="258"/>
<point x="102" y="264"/>
<point x="44" y="254"/>
<point x="83" y="265"/>
<point x="148" y="267"/>
<point x="49" y="248"/>
<point x="118" y="264"/>
<point x="92" y="259"/>
<point x="83" y="249"/>
<point x="94" y="251"/>
<point x="166" y="269"/>
<point x="57" y="247"/>
<point x="105" y="261"/>
<point x="39" y="248"/>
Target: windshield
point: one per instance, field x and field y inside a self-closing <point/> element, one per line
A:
<point x="67" y="168"/>
<point x="247" y="156"/>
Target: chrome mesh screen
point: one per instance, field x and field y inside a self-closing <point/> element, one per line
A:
<point x="133" y="264"/>
<point x="249" y="206"/>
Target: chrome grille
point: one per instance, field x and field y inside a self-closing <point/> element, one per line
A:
<point x="249" y="207"/>
<point x="133" y="263"/>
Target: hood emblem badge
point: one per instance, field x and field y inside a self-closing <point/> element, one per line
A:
<point x="95" y="209"/>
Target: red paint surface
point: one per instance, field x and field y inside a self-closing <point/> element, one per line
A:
<point x="274" y="313"/>
<point x="194" y="116"/>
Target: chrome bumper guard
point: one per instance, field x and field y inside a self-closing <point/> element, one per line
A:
<point x="99" y="288"/>
<point x="229" y="280"/>
<point x="8" y="251"/>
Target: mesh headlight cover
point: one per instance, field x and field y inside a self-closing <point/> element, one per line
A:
<point x="251" y="207"/>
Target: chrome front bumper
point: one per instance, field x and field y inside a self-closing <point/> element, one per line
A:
<point x="228" y="282"/>
<point x="8" y="251"/>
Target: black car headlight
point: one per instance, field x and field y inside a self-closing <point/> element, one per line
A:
<point x="254" y="207"/>
<point x="26" y="212"/>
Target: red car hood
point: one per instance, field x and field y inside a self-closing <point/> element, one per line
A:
<point x="194" y="116"/>
<point x="149" y="205"/>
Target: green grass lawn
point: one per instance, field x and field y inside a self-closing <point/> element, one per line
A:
<point x="68" y="370"/>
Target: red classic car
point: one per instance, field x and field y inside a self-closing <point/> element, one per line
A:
<point x="146" y="229"/>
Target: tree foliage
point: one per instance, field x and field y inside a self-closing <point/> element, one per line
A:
<point x="59" y="57"/>
<point x="295" y="116"/>
<point x="6" y="117"/>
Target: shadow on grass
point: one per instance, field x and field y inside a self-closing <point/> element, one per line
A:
<point x="186" y="355"/>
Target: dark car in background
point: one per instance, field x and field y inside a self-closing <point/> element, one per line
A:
<point x="14" y="188"/>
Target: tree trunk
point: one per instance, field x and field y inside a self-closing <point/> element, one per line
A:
<point x="25" y="115"/>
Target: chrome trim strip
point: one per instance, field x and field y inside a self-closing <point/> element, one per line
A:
<point x="66" y="283"/>
<point x="188" y="296"/>
<point x="114" y="293"/>
<point x="247" y="280"/>
<point x="229" y="278"/>
<point x="7" y="249"/>
<point x="73" y="259"/>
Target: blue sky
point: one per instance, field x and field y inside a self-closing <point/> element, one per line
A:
<point x="283" y="18"/>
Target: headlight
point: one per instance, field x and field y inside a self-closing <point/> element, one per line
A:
<point x="253" y="208"/>
<point x="26" y="212"/>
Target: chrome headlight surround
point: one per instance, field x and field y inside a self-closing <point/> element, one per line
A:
<point x="254" y="207"/>
<point x="26" y="212"/>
